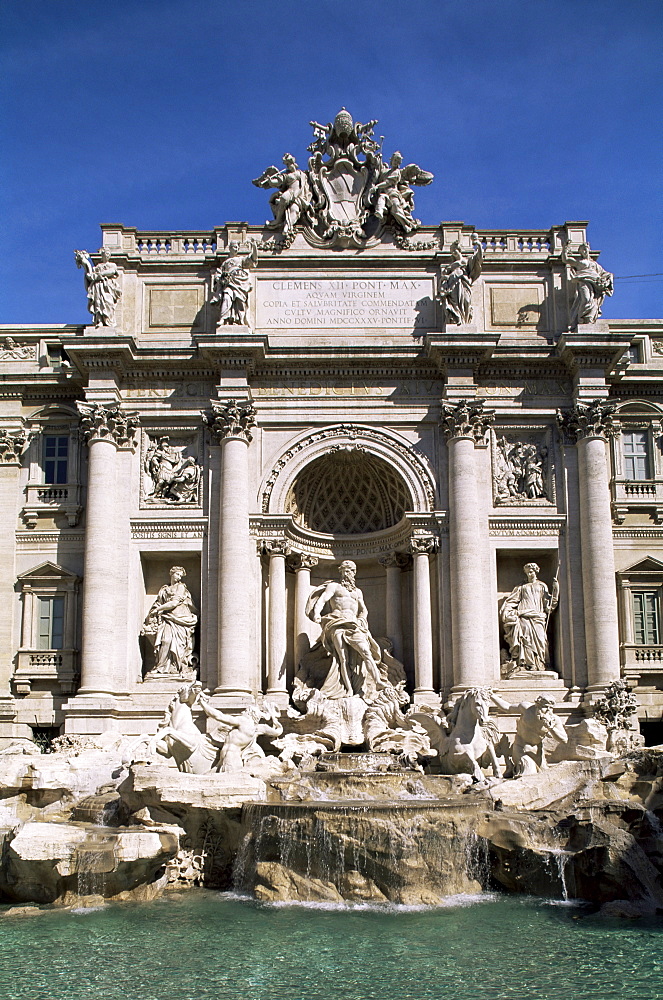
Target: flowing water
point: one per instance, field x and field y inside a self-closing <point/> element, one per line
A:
<point x="202" y="945"/>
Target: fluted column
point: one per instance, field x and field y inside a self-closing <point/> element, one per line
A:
<point x="277" y="635"/>
<point x="591" y="425"/>
<point x="421" y="547"/>
<point x="105" y="429"/>
<point x="464" y="426"/>
<point x="393" y="564"/>
<point x="231" y="424"/>
<point x="12" y="444"/>
<point x="303" y="564"/>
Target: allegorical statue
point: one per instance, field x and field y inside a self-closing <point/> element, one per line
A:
<point x="592" y="283"/>
<point x="292" y="200"/>
<point x="175" y="478"/>
<point x="345" y="638"/>
<point x="172" y="620"/>
<point x="102" y="286"/>
<point x="393" y="195"/>
<point x="232" y="283"/>
<point x="525" y="614"/>
<point x="456" y="280"/>
<point x="536" y="721"/>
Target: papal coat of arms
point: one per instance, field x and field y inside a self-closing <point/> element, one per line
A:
<point x="348" y="191"/>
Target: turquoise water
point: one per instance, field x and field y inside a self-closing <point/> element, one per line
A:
<point x="200" y="945"/>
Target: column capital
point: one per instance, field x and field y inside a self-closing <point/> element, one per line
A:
<point x="12" y="445"/>
<point x="466" y="419"/>
<point x="273" y="547"/>
<point x="231" y="418"/>
<point x="302" y="560"/>
<point x="107" y="423"/>
<point x="394" y="559"/>
<point x="426" y="544"/>
<point x="589" y="420"/>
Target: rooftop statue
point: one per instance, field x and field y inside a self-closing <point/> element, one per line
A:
<point x="346" y="184"/>
<point x="232" y="284"/>
<point x="592" y="283"/>
<point x="102" y="286"/>
<point x="456" y="280"/>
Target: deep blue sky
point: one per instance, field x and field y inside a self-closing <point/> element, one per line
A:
<point x="157" y="114"/>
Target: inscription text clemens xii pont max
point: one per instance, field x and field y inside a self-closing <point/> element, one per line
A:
<point x="343" y="302"/>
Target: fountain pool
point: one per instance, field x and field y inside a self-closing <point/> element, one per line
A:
<point x="203" y="944"/>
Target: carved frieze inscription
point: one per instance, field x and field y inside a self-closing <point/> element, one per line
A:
<point x="338" y="303"/>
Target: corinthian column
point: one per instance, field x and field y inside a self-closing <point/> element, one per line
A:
<point x="591" y="425"/>
<point x="231" y="424"/>
<point x="464" y="426"/>
<point x="303" y="564"/>
<point x="393" y="564"/>
<point x="277" y="686"/>
<point x="421" y="547"/>
<point x="105" y="429"/>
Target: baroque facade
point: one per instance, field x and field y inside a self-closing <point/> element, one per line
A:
<point x="251" y="407"/>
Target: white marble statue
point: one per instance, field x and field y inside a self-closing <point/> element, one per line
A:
<point x="172" y="620"/>
<point x="232" y="283"/>
<point x="240" y="749"/>
<point x="345" y="636"/>
<point x="525" y="614"/>
<point x="387" y="728"/>
<point x="102" y="286"/>
<point x="179" y="738"/>
<point x="392" y="194"/>
<point x="466" y="740"/>
<point x="592" y="284"/>
<point x="536" y="721"/>
<point x="292" y="201"/>
<point x="456" y="280"/>
<point x="174" y="477"/>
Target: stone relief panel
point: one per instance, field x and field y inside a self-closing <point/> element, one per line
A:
<point x="522" y="467"/>
<point x="11" y="351"/>
<point x="171" y="474"/>
<point x="520" y="307"/>
<point x="174" y="307"/>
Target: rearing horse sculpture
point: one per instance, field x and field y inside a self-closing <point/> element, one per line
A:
<point x="470" y="741"/>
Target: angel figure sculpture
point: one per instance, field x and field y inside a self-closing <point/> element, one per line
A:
<point x="292" y="201"/>
<point x="393" y="195"/>
<point x="102" y="286"/>
<point x="232" y="283"/>
<point x="456" y="280"/>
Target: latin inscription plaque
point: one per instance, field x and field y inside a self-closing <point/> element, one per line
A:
<point x="339" y="303"/>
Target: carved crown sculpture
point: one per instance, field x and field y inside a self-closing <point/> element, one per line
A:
<point x="348" y="192"/>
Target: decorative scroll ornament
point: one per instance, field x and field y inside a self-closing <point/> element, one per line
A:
<point x="11" y="351"/>
<point x="347" y="191"/>
<point x="302" y="560"/>
<point x="107" y="423"/>
<point x="231" y="419"/>
<point x="596" y="419"/>
<point x="468" y="419"/>
<point x="12" y="446"/>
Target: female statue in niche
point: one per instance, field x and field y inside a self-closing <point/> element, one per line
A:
<point x="525" y="614"/>
<point x="172" y="620"/>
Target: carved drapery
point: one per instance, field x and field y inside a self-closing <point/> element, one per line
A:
<point x="466" y="419"/>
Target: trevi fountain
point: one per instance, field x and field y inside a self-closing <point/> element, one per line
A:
<point x="332" y="660"/>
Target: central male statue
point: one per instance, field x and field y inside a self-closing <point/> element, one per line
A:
<point x="345" y="636"/>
